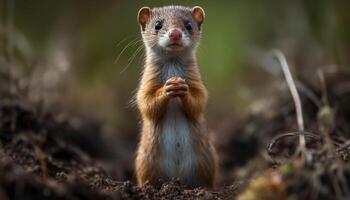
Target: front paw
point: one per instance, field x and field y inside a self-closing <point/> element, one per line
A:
<point x="176" y="87"/>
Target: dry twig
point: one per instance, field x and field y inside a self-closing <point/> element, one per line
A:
<point x="296" y="98"/>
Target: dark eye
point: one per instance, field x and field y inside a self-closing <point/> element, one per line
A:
<point x="158" y="25"/>
<point x="188" y="26"/>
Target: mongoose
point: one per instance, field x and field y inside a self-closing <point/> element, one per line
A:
<point x="172" y="100"/>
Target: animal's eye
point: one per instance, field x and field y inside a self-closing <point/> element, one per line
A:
<point x="158" y="25"/>
<point x="188" y="26"/>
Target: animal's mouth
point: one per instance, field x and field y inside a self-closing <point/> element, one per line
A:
<point x="175" y="46"/>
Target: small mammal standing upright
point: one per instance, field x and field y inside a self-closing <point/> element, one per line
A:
<point x="172" y="100"/>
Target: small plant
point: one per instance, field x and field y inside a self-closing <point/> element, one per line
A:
<point x="332" y="150"/>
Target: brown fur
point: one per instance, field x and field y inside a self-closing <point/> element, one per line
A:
<point x="152" y="103"/>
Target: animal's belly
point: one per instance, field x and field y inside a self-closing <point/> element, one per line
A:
<point x="177" y="157"/>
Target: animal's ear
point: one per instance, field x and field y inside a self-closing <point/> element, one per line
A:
<point x="198" y="14"/>
<point x="144" y="16"/>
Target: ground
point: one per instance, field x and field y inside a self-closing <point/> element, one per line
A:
<point x="44" y="156"/>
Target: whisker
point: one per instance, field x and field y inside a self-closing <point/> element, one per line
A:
<point x="127" y="46"/>
<point x="131" y="59"/>
<point x="125" y="38"/>
<point x="137" y="50"/>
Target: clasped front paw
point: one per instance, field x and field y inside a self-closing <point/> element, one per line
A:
<point x="176" y="87"/>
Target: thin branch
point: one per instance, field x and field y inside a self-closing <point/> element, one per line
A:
<point x="292" y="134"/>
<point x="296" y="98"/>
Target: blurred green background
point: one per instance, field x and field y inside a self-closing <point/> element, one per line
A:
<point x="68" y="51"/>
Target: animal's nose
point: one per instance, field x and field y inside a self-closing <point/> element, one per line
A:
<point x="175" y="35"/>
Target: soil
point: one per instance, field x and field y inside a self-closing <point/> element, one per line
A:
<point x="39" y="161"/>
<point x="43" y="156"/>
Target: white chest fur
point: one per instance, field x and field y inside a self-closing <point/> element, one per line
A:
<point x="177" y="158"/>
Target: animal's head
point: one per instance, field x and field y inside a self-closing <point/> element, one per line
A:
<point x="171" y="29"/>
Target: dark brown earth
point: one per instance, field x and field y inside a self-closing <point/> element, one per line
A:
<point x="44" y="156"/>
<point x="38" y="161"/>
